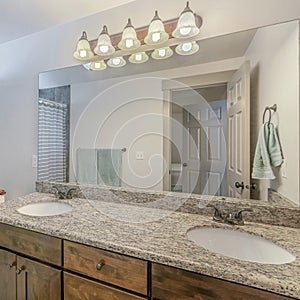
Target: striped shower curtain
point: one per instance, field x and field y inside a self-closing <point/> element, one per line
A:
<point x="52" y="139"/>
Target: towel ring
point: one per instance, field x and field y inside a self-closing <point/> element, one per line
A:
<point x="269" y="109"/>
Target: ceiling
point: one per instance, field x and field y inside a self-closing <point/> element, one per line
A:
<point x="23" y="17"/>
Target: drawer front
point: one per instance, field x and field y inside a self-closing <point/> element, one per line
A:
<point x="172" y="284"/>
<point x="116" y="269"/>
<point x="77" y="288"/>
<point x="37" y="245"/>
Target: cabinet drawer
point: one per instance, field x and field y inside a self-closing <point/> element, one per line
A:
<point x="37" y="245"/>
<point x="121" y="270"/>
<point x="173" y="284"/>
<point x="77" y="288"/>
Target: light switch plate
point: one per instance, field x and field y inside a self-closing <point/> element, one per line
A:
<point x="34" y="161"/>
<point x="139" y="155"/>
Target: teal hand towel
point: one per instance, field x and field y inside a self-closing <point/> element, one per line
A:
<point x="267" y="153"/>
<point x="86" y="166"/>
<point x="274" y="148"/>
<point x="109" y="163"/>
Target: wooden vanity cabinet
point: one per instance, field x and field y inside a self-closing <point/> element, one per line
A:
<point x="8" y="278"/>
<point x="106" y="267"/>
<point x="173" y="284"/>
<point x="34" y="278"/>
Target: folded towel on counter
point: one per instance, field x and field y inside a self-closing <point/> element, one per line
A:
<point x="267" y="153"/>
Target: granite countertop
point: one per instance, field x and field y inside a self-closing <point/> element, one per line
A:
<point x="160" y="236"/>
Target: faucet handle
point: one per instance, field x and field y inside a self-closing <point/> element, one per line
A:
<point x="59" y="194"/>
<point x="217" y="214"/>
<point x="69" y="193"/>
<point x="239" y="216"/>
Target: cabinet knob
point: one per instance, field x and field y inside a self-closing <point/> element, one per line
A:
<point x="10" y="266"/>
<point x="99" y="266"/>
<point x="184" y="164"/>
<point x="20" y="269"/>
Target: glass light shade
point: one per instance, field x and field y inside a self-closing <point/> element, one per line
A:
<point x="162" y="53"/>
<point x="129" y="39"/>
<point x="186" y="26"/>
<point x="187" y="48"/>
<point x="87" y="66"/>
<point x="98" y="65"/>
<point x="83" y="49"/>
<point x="156" y="32"/>
<point x="104" y="46"/>
<point x="138" y="58"/>
<point x="117" y="62"/>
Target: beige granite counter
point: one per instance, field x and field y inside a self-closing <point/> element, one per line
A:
<point x="109" y="226"/>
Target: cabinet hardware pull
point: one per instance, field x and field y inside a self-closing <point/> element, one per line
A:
<point x="20" y="269"/>
<point x="99" y="266"/>
<point x="10" y="266"/>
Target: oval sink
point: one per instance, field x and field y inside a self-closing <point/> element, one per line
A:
<point x="240" y="245"/>
<point x="43" y="209"/>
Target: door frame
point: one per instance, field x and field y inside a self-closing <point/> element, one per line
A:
<point x="173" y="85"/>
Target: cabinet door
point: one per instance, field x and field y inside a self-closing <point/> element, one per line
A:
<point x="77" y="288"/>
<point x="36" y="281"/>
<point x="8" y="286"/>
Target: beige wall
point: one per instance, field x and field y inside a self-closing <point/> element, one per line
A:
<point x="274" y="57"/>
<point x="117" y="114"/>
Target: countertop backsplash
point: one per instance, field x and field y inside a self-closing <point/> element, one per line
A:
<point x="263" y="211"/>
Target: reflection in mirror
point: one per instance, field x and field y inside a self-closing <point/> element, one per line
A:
<point x="190" y="124"/>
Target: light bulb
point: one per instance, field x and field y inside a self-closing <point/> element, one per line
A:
<point x="129" y="43"/>
<point x="104" y="48"/>
<point x="97" y="65"/>
<point x="185" y="30"/>
<point x="83" y="53"/>
<point x="162" y="52"/>
<point x="116" y="61"/>
<point x="156" y="37"/>
<point x="187" y="47"/>
<point x="138" y="57"/>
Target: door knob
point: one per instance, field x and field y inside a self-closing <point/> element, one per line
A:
<point x="184" y="164"/>
<point x="239" y="185"/>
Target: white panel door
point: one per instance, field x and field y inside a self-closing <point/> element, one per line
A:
<point x="204" y="151"/>
<point x="238" y="112"/>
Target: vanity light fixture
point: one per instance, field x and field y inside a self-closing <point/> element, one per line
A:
<point x="157" y="39"/>
<point x="98" y="65"/>
<point x="187" y="48"/>
<point x="129" y="39"/>
<point x="104" y="46"/>
<point x="83" y="49"/>
<point x="138" y="58"/>
<point x="156" y="32"/>
<point x="162" y="53"/>
<point x="186" y="26"/>
<point x="116" y="62"/>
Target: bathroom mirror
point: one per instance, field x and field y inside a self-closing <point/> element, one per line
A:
<point x="187" y="124"/>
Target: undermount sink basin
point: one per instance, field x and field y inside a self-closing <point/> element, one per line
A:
<point x="43" y="209"/>
<point x="240" y="245"/>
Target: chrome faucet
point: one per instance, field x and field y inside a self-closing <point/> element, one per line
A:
<point x="64" y="195"/>
<point x="233" y="218"/>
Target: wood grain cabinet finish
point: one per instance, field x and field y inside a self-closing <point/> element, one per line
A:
<point x="40" y="246"/>
<point x="8" y="280"/>
<point x="36" y="281"/>
<point x="24" y="279"/>
<point x="77" y="288"/>
<point x="173" y="284"/>
<point x="120" y="270"/>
